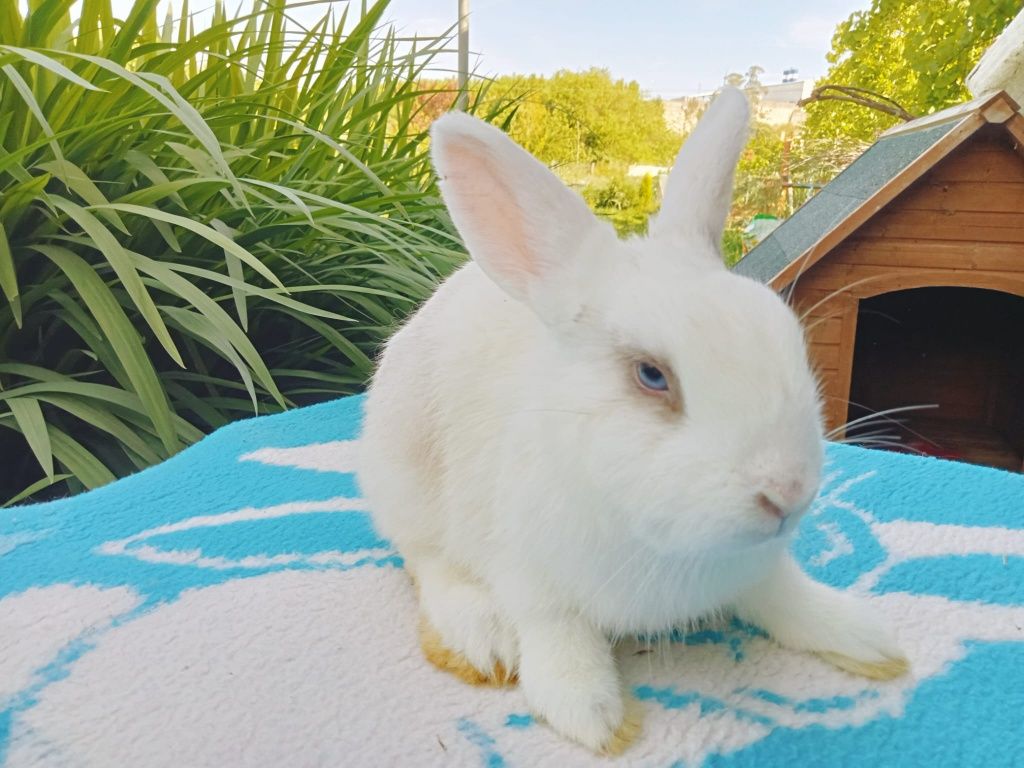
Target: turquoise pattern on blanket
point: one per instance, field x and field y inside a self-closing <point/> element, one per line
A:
<point x="257" y="498"/>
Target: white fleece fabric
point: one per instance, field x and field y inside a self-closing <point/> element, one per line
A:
<point x="234" y="607"/>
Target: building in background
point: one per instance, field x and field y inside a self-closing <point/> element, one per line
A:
<point x="776" y="104"/>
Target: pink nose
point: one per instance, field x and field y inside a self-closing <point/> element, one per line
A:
<point x="781" y="500"/>
<point x="770" y="506"/>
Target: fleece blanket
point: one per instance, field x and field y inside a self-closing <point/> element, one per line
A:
<point x="234" y="607"/>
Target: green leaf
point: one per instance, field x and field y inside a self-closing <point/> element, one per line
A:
<point x="49" y="64"/>
<point x="204" y="231"/>
<point x="34" y="488"/>
<point x="77" y="182"/>
<point x="218" y="319"/>
<point x="141" y="11"/>
<point x="8" y="278"/>
<point x="27" y="96"/>
<point x="32" y="424"/>
<point x="79" y="460"/>
<point x="103" y="420"/>
<point x="205" y="332"/>
<point x="19" y="197"/>
<point x="104" y="241"/>
<point x="246" y="197"/>
<point x="123" y="338"/>
<point x="234" y="266"/>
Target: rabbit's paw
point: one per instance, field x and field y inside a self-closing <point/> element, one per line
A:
<point x="628" y="732"/>
<point x="887" y="668"/>
<point x="488" y="669"/>
<point x="461" y="630"/>
<point x="862" y="642"/>
<point x="571" y="682"/>
<point x="843" y="629"/>
<point x="590" y="714"/>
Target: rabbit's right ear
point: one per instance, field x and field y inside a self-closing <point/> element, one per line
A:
<point x="699" y="190"/>
<point x="521" y="224"/>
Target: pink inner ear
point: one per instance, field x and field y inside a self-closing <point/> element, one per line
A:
<point x="487" y="212"/>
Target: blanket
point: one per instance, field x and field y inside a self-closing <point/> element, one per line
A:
<point x="234" y="606"/>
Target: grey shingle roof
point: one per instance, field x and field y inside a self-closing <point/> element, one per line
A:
<point x="865" y="176"/>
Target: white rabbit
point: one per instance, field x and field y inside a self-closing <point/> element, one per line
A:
<point x="579" y="437"/>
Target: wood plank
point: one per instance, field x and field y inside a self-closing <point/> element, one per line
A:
<point x="915" y="252"/>
<point x="827" y="380"/>
<point x="861" y="280"/>
<point x="824" y="355"/>
<point x="970" y="226"/>
<point x="827" y="286"/>
<point x="990" y="106"/>
<point x="984" y="162"/>
<point x="826" y="375"/>
<point x="834" y="413"/>
<point x="823" y="330"/>
<point x="978" y="196"/>
<point x="813" y="302"/>
<point x="847" y="342"/>
<point x="1000" y="111"/>
<point x="994" y="281"/>
<point x="1015" y="127"/>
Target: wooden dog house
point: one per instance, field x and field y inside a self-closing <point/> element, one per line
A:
<point x="908" y="269"/>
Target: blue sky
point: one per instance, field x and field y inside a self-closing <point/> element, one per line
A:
<point x="671" y="47"/>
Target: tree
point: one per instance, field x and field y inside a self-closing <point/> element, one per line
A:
<point x="645" y="197"/>
<point x="915" y="52"/>
<point x="587" y="117"/>
<point x="758" y="186"/>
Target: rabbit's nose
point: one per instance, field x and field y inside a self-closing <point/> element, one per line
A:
<point x="783" y="499"/>
<point x="770" y="506"/>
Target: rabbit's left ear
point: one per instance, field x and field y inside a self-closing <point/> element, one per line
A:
<point x="699" y="191"/>
<point x="521" y="224"/>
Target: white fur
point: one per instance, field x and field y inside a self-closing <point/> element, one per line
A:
<point x="508" y="451"/>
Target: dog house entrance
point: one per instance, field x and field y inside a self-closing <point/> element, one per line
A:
<point x="961" y="349"/>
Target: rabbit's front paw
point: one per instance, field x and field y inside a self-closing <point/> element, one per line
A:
<point x="841" y="628"/>
<point x="888" y="668"/>
<point x="461" y="630"/>
<point x="588" y="711"/>
<point x="491" y="664"/>
<point x="570" y="679"/>
<point x="866" y="646"/>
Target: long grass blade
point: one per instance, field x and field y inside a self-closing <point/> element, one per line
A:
<point x="32" y="423"/>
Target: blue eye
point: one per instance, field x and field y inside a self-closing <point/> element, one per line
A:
<point x="651" y="377"/>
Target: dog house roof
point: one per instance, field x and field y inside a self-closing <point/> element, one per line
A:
<point x="890" y="165"/>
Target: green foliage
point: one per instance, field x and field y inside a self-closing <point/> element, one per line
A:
<point x="196" y="225"/>
<point x="626" y="202"/>
<point x="645" y="195"/>
<point x="587" y="117"/>
<point x="917" y="52"/>
<point x="589" y="128"/>
<point x="733" y="244"/>
<point x="759" y="174"/>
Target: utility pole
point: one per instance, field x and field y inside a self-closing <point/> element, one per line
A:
<point x="461" y="100"/>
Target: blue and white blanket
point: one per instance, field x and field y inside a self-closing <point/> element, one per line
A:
<point x="234" y="607"/>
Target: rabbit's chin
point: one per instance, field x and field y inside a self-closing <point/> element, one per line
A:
<point x="672" y="589"/>
<point x="687" y="539"/>
<point x="749" y="543"/>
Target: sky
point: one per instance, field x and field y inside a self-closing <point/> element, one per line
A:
<point x="670" y="47"/>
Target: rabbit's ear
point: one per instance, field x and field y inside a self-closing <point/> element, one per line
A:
<point x="520" y="223"/>
<point x="699" y="191"/>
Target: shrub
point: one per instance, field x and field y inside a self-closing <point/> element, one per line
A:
<point x="626" y="202"/>
<point x="198" y="225"/>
